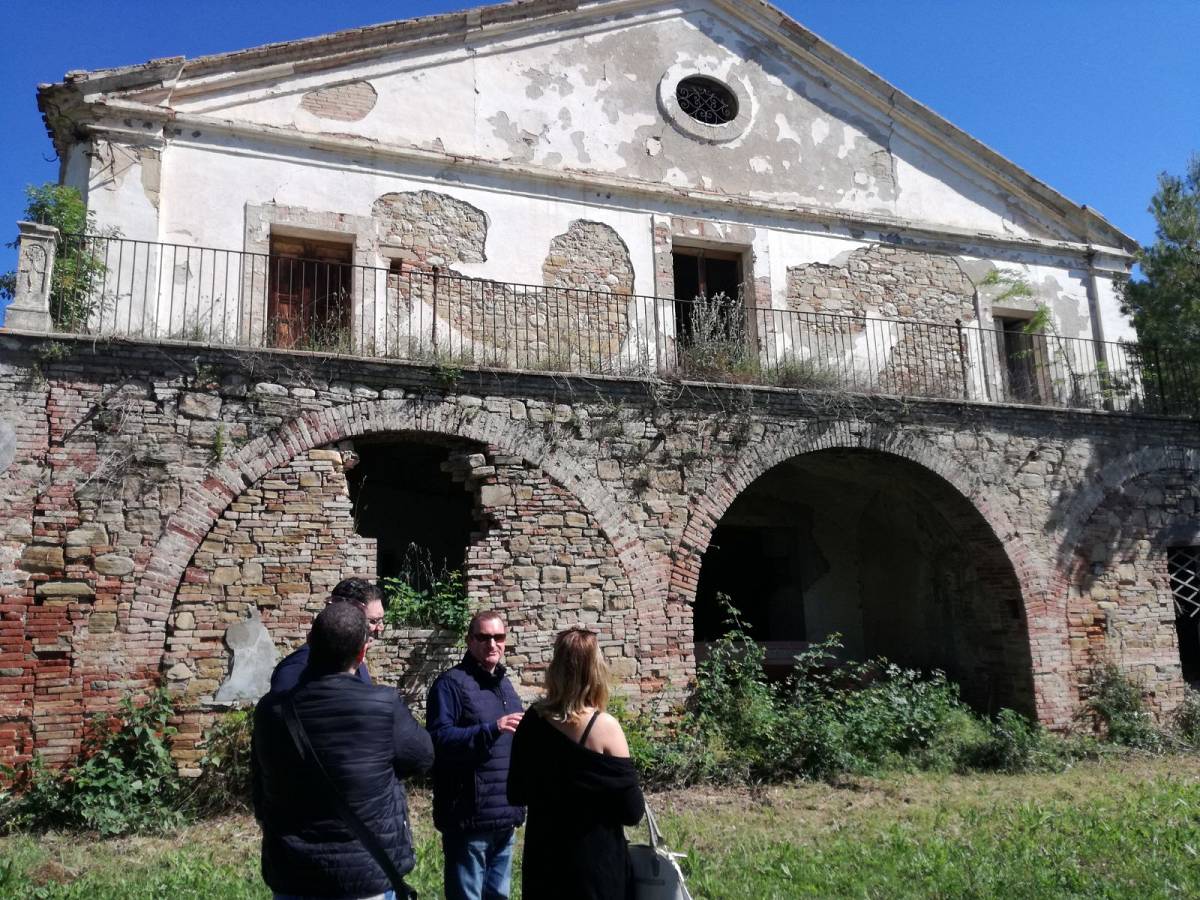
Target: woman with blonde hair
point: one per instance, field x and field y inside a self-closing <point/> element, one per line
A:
<point x="570" y="766"/>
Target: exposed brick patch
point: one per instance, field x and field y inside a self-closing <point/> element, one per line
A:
<point x="590" y="256"/>
<point x="889" y="283"/>
<point x="344" y="102"/>
<point x="431" y="229"/>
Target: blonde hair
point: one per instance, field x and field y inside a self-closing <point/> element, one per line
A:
<point x="577" y="677"/>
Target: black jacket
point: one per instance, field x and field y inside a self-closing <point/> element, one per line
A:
<point x="367" y="740"/>
<point x="471" y="766"/>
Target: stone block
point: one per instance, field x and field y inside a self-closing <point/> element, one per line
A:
<point x="225" y="575"/>
<point x="102" y="623"/>
<point x="91" y="535"/>
<point x="200" y="406"/>
<point x="112" y="564"/>
<point x="184" y="621"/>
<point x="554" y="575"/>
<point x="40" y="558"/>
<point x="491" y="495"/>
<point x="65" y="590"/>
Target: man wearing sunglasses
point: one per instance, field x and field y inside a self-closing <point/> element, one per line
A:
<point x="362" y="593"/>
<point x="471" y="715"/>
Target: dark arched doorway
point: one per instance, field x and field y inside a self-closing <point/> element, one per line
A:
<point x="885" y="553"/>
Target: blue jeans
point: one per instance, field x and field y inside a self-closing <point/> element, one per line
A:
<point x="478" y="864"/>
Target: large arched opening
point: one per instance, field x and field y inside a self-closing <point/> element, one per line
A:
<point x="882" y="551"/>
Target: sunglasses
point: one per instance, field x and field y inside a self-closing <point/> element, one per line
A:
<point x="492" y="638"/>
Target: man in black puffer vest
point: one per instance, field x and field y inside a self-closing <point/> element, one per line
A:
<point x="366" y="739"/>
<point x="471" y="715"/>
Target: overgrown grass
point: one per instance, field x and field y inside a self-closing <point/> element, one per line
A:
<point x="1116" y="829"/>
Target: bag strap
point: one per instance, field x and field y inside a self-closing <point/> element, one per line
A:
<point x="365" y="836"/>
<point x="652" y="827"/>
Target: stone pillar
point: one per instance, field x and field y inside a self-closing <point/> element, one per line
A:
<point x="30" y="307"/>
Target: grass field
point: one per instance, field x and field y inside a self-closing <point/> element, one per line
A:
<point x="1113" y="829"/>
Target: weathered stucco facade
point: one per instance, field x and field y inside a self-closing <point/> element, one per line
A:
<point x="494" y="226"/>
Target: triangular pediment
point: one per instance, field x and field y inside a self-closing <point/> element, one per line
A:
<point x="590" y="89"/>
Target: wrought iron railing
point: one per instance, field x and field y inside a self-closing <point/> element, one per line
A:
<point x="123" y="287"/>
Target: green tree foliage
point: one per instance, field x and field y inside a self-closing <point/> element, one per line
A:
<point x="1165" y="306"/>
<point x="78" y="270"/>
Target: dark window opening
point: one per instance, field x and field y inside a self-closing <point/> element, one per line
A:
<point x="706" y="100"/>
<point x="1023" y="357"/>
<point x="403" y="498"/>
<point x="308" y="293"/>
<point x="1183" y="571"/>
<point x="709" y="275"/>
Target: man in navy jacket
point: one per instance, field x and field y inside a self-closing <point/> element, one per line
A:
<point x="369" y="599"/>
<point x="366" y="740"/>
<point x="472" y="713"/>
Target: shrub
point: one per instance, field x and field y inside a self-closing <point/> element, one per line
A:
<point x="1013" y="744"/>
<point x="1116" y="704"/>
<point x="124" y="781"/>
<point x="1187" y="719"/>
<point x="225" y="768"/>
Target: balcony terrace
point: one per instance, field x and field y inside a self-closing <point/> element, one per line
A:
<point x="122" y="288"/>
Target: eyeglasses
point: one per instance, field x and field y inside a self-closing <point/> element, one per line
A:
<point x="490" y="638"/>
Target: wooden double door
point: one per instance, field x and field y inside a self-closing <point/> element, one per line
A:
<point x="309" y="293"/>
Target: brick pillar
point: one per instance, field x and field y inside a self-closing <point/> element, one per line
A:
<point x="30" y="307"/>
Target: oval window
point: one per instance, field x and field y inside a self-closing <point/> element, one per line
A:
<point x="706" y="100"/>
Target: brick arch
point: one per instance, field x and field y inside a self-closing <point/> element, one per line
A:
<point x="1102" y="483"/>
<point x="1048" y="649"/>
<point x="204" y="504"/>
<point x="710" y="504"/>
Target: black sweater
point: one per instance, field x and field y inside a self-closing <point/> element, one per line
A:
<point x="367" y="740"/>
<point x="578" y="800"/>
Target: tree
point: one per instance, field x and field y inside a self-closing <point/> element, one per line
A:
<point x="1165" y="305"/>
<point x="78" y="270"/>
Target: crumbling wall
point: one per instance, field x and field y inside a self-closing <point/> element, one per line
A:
<point x="1121" y="607"/>
<point x="431" y="229"/>
<point x="600" y="497"/>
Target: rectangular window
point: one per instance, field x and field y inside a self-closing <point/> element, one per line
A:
<point x="309" y="287"/>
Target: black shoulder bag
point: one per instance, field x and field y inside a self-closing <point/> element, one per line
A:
<point x="365" y="836"/>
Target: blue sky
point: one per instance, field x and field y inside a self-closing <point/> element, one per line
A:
<point x="1094" y="97"/>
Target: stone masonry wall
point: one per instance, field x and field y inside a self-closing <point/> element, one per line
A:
<point x="884" y="282"/>
<point x="128" y="455"/>
<point x="1121" y="608"/>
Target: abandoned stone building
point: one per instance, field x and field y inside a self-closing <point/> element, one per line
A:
<point x="611" y="306"/>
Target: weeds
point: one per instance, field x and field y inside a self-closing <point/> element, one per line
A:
<point x="422" y="596"/>
<point x="124" y="781"/>
<point x="1117" y="706"/>
<point x="224" y="781"/>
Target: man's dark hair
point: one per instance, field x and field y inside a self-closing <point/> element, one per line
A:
<point x="483" y="616"/>
<point x="356" y="590"/>
<point x="338" y="635"/>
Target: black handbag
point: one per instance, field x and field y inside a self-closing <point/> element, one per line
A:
<point x="656" y="874"/>
<point x="364" y="834"/>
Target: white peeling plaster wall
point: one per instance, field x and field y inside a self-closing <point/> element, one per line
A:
<point x="205" y="188"/>
<point x="589" y="103"/>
